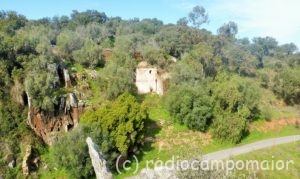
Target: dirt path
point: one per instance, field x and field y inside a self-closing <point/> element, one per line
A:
<point x="223" y="154"/>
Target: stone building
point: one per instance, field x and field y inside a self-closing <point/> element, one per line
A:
<point x="149" y="79"/>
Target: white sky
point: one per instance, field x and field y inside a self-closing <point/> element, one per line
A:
<point x="275" y="18"/>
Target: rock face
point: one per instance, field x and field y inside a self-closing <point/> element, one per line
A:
<point x="47" y="125"/>
<point x="99" y="163"/>
<point x="67" y="78"/>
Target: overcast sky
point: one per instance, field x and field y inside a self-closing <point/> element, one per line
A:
<point x="276" y="18"/>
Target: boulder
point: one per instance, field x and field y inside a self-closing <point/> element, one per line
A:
<point x="12" y="164"/>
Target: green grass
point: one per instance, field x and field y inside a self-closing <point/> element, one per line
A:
<point x="284" y="131"/>
<point x="169" y="130"/>
<point x="156" y="108"/>
<point x="283" y="152"/>
<point x="55" y="174"/>
<point x="79" y="68"/>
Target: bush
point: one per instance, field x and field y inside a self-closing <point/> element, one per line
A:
<point x="70" y="153"/>
<point x="229" y="127"/>
<point x="121" y="123"/>
<point x="264" y="78"/>
<point x="266" y="113"/>
<point x="287" y="85"/>
<point x="234" y="94"/>
<point x="190" y="106"/>
<point x="235" y="104"/>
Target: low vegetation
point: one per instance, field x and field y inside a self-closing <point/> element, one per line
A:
<point x="283" y="152"/>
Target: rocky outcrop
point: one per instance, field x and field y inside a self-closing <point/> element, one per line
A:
<point x="66" y="110"/>
<point x="25" y="162"/>
<point x="99" y="163"/>
<point x="67" y="78"/>
<point x="48" y="125"/>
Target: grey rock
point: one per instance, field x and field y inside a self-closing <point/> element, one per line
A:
<point x="62" y="104"/>
<point x="73" y="100"/>
<point x="12" y="164"/>
<point x="99" y="163"/>
<point x="67" y="78"/>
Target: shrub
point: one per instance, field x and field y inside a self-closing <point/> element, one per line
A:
<point x="234" y="94"/>
<point x="121" y="123"/>
<point x="287" y="85"/>
<point x="190" y="106"/>
<point x="266" y="113"/>
<point x="70" y="152"/>
<point x="229" y="127"/>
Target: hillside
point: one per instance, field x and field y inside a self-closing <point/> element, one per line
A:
<point x="137" y="87"/>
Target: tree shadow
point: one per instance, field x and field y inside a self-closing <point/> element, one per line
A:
<point x="151" y="129"/>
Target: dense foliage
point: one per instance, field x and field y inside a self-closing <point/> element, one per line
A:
<point x="70" y="153"/>
<point x="190" y="106"/>
<point x="287" y="85"/>
<point x="121" y="123"/>
<point x="215" y="85"/>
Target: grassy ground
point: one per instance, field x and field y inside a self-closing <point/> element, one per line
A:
<point x="282" y="152"/>
<point x="165" y="138"/>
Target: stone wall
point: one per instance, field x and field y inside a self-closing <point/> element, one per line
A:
<point x="148" y="80"/>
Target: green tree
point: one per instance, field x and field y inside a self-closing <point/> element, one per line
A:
<point x="69" y="41"/>
<point x="10" y="22"/>
<point x="287" y="85"/>
<point x="203" y="54"/>
<point x="70" y="152"/>
<point x="118" y="75"/>
<point x="235" y="105"/>
<point x="83" y="18"/>
<point x="183" y="21"/>
<point x="262" y="47"/>
<point x="236" y="95"/>
<point x="40" y="83"/>
<point x="190" y="106"/>
<point x="229" y="29"/>
<point x="198" y="16"/>
<point x="237" y="58"/>
<point x="186" y="72"/>
<point x="287" y="49"/>
<point x="90" y="55"/>
<point x="156" y="56"/>
<point x="122" y="122"/>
